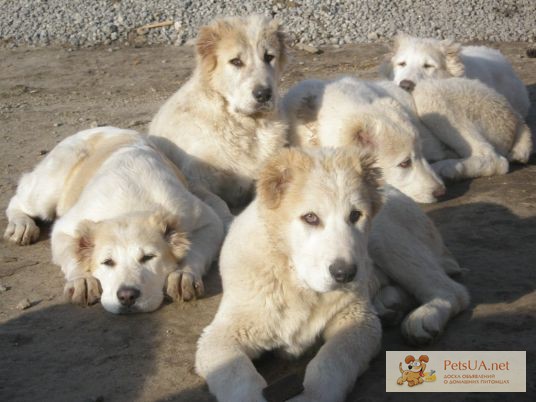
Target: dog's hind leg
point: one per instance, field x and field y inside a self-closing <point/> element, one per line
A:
<point x="39" y="191"/>
<point x="522" y="147"/>
<point x="402" y="244"/>
<point x="489" y="164"/>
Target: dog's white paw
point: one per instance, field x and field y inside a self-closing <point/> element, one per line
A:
<point x="184" y="285"/>
<point x="426" y="322"/>
<point x="83" y="291"/>
<point x="22" y="230"/>
<point x="502" y="166"/>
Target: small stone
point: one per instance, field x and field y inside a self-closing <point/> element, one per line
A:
<point x="58" y="124"/>
<point x="94" y="124"/>
<point x="308" y="48"/>
<point x="4" y="288"/>
<point x="373" y="36"/>
<point x="24" y="304"/>
<point x="43" y="152"/>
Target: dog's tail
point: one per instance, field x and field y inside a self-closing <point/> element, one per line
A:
<point x="522" y="147"/>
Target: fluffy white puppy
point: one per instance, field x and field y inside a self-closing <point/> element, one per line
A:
<point x="126" y="221"/>
<point x="295" y="267"/>
<point x="348" y="111"/>
<point x="414" y="59"/>
<point x="475" y="122"/>
<point x="226" y="116"/>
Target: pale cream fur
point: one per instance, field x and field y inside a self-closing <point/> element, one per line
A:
<point x="225" y="132"/>
<point x="415" y="59"/>
<point x="278" y="292"/>
<point x="474" y="121"/>
<point x="125" y="219"/>
<point x="348" y="111"/>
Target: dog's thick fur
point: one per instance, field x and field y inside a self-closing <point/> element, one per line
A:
<point x="414" y="59"/>
<point x="474" y="121"/>
<point x="126" y="220"/>
<point x="348" y="111"/>
<point x="215" y="117"/>
<point x="279" y="289"/>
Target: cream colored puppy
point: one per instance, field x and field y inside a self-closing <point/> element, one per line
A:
<point x="226" y="116"/>
<point x="475" y="122"/>
<point x="295" y="267"/>
<point x="348" y="111"/>
<point x="127" y="223"/>
<point x="414" y="59"/>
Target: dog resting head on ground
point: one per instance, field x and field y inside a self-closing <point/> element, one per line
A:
<point x="348" y="111"/>
<point x="241" y="59"/>
<point x="414" y="59"/>
<point x="131" y="256"/>
<point x="294" y="268"/>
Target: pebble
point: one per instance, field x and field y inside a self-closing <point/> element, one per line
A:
<point x="3" y="288"/>
<point x="82" y="23"/>
<point x="24" y="304"/>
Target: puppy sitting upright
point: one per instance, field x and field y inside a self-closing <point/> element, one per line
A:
<point x="226" y="116"/>
<point x="294" y="268"/>
<point x="127" y="222"/>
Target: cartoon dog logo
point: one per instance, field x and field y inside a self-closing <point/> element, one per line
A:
<point x="415" y="373"/>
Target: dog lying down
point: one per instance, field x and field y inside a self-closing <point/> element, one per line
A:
<point x="475" y="122"/>
<point x="414" y="59"/>
<point x="295" y="267"/>
<point x="348" y="111"/>
<point x="127" y="225"/>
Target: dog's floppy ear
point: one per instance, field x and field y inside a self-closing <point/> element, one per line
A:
<point x="274" y="27"/>
<point x="206" y="42"/>
<point x="366" y="166"/>
<point x="84" y="243"/>
<point x="453" y="62"/>
<point x="409" y="359"/>
<point x="423" y="358"/>
<point x="169" y="226"/>
<point x="278" y="173"/>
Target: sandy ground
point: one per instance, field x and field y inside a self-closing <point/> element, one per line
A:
<point x="58" y="352"/>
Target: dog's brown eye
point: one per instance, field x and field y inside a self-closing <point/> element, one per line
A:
<point x="355" y="215"/>
<point x="402" y="64"/>
<point x="147" y="257"/>
<point x="108" y="262"/>
<point x="406" y="164"/>
<point x="311" y="219"/>
<point x="268" y="57"/>
<point x="236" y="62"/>
<point x="426" y="65"/>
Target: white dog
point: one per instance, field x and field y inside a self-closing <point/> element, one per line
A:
<point x="475" y="122"/>
<point x="295" y="267"/>
<point x="414" y="59"/>
<point x="226" y="116"/>
<point x="348" y="111"/>
<point x="127" y="222"/>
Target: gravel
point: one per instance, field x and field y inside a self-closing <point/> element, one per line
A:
<point x="76" y="23"/>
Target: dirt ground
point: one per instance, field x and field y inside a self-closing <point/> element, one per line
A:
<point x="58" y="352"/>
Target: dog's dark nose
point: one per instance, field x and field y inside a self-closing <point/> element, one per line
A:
<point x="410" y="366"/>
<point x="407" y="85"/>
<point x="262" y="94"/>
<point x="127" y="295"/>
<point x="342" y="272"/>
<point x="439" y="192"/>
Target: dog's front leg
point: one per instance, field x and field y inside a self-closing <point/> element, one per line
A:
<point x="352" y="337"/>
<point x="225" y="363"/>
